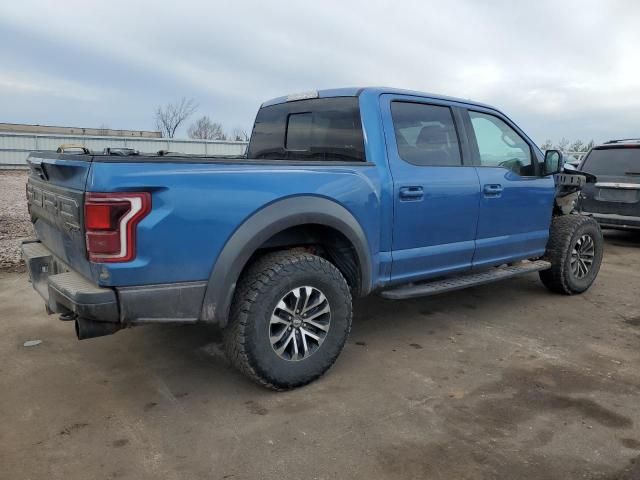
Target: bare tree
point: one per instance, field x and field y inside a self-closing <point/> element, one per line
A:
<point x="589" y="145"/>
<point x="170" y="117"/>
<point x="577" y="146"/>
<point x="547" y="145"/>
<point x="562" y="144"/>
<point x="204" y="129"/>
<point x="239" y="135"/>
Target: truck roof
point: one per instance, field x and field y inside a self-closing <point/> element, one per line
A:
<point x="356" y="91"/>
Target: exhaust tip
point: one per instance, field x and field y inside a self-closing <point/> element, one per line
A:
<point x="90" y="328"/>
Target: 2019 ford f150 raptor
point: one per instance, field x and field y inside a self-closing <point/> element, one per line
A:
<point x="341" y="193"/>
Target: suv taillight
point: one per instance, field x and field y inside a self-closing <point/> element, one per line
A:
<point x="110" y="221"/>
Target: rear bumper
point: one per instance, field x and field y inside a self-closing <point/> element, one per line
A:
<point x="620" y="222"/>
<point x="66" y="291"/>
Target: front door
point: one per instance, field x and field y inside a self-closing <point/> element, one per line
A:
<point x="516" y="203"/>
<point x="436" y="189"/>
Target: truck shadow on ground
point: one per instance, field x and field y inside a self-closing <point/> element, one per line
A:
<point x="376" y="321"/>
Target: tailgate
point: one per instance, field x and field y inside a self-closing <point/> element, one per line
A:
<point x="55" y="195"/>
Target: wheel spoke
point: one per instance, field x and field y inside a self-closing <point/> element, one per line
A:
<point x="278" y="320"/>
<point x="309" y="334"/>
<point x="283" y="306"/>
<point x="278" y="336"/>
<point x="315" y="315"/>
<point x="581" y="271"/>
<point x="305" y="347"/>
<point x="324" y="328"/>
<point x="284" y="346"/>
<point x="585" y="267"/>
<point x="574" y="265"/>
<point x="308" y="292"/>
<point x="294" y="340"/>
<point x="298" y="297"/>
<point x="321" y="298"/>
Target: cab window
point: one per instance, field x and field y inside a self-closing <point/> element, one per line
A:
<point x="425" y="134"/>
<point x="499" y="145"/>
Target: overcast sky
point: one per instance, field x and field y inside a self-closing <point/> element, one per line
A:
<point x="566" y="68"/>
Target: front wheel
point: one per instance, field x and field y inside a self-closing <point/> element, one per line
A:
<point x="575" y="251"/>
<point x="289" y="321"/>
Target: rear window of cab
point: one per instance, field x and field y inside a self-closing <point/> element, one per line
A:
<point x="320" y="129"/>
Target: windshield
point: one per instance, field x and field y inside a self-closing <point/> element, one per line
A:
<point x="618" y="161"/>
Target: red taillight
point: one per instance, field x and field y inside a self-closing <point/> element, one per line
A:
<point x="111" y="220"/>
<point x="104" y="216"/>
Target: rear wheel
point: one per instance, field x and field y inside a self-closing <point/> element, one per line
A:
<point x="575" y="251"/>
<point x="290" y="318"/>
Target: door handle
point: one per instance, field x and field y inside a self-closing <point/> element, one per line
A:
<point x="493" y="190"/>
<point x="411" y="193"/>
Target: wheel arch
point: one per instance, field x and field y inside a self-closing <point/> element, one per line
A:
<point x="268" y="223"/>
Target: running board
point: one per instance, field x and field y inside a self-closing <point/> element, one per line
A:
<point x="464" y="281"/>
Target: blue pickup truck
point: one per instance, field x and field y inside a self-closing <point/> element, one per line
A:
<point x="342" y="193"/>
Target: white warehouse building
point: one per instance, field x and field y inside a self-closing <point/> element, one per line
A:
<point x="15" y="146"/>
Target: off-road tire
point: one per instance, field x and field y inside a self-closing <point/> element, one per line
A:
<point x="246" y="337"/>
<point x="565" y="232"/>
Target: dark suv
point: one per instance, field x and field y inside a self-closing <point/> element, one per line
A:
<point x="614" y="200"/>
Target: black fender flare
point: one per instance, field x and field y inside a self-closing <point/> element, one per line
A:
<point x="261" y="226"/>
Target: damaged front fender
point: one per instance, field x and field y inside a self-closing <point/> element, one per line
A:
<point x="569" y="184"/>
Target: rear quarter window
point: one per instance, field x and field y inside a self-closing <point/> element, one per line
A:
<point x="318" y="129"/>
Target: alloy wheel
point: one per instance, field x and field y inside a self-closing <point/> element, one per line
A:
<point x="582" y="256"/>
<point x="299" y="323"/>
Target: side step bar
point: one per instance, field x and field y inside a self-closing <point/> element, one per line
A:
<point x="464" y="281"/>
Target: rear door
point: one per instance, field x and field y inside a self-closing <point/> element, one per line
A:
<point x="55" y="195"/>
<point x="516" y="203"/>
<point x="436" y="190"/>
<point x="617" y="190"/>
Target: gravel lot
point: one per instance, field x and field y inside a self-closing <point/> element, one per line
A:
<point x="503" y="381"/>
<point x="14" y="219"/>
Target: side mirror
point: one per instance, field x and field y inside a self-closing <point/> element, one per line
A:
<point x="553" y="162"/>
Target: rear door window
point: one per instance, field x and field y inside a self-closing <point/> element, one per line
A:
<point x="618" y="162"/>
<point x="425" y="134"/>
<point x="318" y="129"/>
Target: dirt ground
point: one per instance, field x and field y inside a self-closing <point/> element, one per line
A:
<point x="500" y="381"/>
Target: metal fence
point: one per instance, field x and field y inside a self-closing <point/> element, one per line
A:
<point x="15" y="147"/>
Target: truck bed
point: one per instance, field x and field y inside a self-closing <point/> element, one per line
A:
<point x="198" y="202"/>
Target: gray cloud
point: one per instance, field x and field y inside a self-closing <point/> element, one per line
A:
<point x="557" y="68"/>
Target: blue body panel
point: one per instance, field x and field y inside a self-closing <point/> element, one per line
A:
<point x="197" y="206"/>
<point x="433" y="234"/>
<point x="514" y="224"/>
